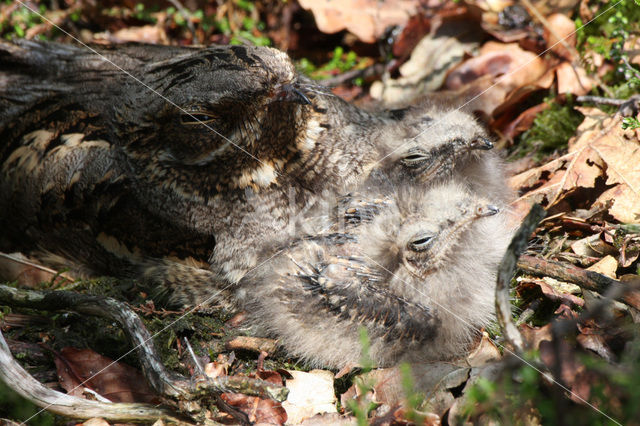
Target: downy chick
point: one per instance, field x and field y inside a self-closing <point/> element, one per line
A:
<point x="441" y="144"/>
<point x="419" y="277"/>
<point x="415" y="157"/>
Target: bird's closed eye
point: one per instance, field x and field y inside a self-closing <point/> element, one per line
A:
<point x="414" y="158"/>
<point x="422" y="242"/>
<point x="197" y="118"/>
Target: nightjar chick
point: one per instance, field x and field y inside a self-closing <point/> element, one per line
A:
<point x="432" y="144"/>
<point x="420" y="277"/>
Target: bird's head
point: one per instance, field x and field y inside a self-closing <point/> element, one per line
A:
<point x="429" y="147"/>
<point x="226" y="117"/>
<point x="421" y="231"/>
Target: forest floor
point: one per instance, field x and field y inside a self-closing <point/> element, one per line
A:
<point x="554" y="81"/>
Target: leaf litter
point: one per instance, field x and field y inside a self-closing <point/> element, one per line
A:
<point x="485" y="54"/>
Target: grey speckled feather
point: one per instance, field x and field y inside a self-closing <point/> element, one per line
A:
<point x="420" y="277"/>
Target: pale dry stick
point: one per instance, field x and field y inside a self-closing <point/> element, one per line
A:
<point x="164" y="382"/>
<point x="589" y="280"/>
<point x="503" y="77"/>
<point x="37" y="266"/>
<point x="14" y="376"/>
<point x="506" y="272"/>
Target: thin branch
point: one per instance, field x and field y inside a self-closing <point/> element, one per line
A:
<point x="601" y="100"/>
<point x="163" y="381"/>
<point x="37" y="266"/>
<point x="370" y="71"/>
<point x="14" y="376"/>
<point x="186" y="15"/>
<point x="507" y="270"/>
<point x="589" y="280"/>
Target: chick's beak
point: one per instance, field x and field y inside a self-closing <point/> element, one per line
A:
<point x="481" y="143"/>
<point x="290" y="93"/>
<point x="488" y="210"/>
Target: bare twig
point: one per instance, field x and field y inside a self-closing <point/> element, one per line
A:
<point x="601" y="100"/>
<point x="186" y="14"/>
<point x="26" y="262"/>
<point x="626" y="107"/>
<point x="370" y="71"/>
<point x="163" y="381"/>
<point x="506" y="272"/>
<point x="14" y="376"/>
<point x="589" y="280"/>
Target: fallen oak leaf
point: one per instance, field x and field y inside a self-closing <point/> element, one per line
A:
<point x="367" y="19"/>
<point x="265" y="411"/>
<point x="309" y="394"/>
<point x="510" y="68"/>
<point x="600" y="149"/>
<point x="118" y="382"/>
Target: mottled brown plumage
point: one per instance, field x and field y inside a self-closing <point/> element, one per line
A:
<point x="225" y="155"/>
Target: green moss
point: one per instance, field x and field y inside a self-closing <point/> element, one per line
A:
<point x="340" y="62"/>
<point x="598" y="33"/>
<point x="550" y="131"/>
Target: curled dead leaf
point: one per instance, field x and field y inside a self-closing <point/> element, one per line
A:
<point x="560" y="35"/>
<point x="117" y="382"/>
<point x="309" y="394"/>
<point x="504" y="68"/>
<point x="367" y="19"/>
<point x="265" y="411"/>
<point x="600" y="150"/>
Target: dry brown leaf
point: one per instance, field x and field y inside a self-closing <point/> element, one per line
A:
<point x="309" y="394"/>
<point x="367" y="19"/>
<point x="597" y="344"/>
<point x="553" y="290"/>
<point x="608" y="266"/>
<point x="600" y="149"/>
<point x="432" y="58"/>
<point x="484" y="353"/>
<point x="593" y="246"/>
<point x="517" y="66"/>
<point x="534" y="335"/>
<point x="523" y="121"/>
<point x="573" y="79"/>
<point x="510" y="68"/>
<point x="114" y="381"/>
<point x="265" y="411"/>
<point x="559" y="34"/>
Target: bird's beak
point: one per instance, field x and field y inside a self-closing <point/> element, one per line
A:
<point x="488" y="210"/>
<point x="481" y="143"/>
<point x="290" y="93"/>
